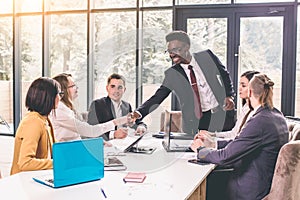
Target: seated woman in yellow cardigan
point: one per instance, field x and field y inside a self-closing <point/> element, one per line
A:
<point x="34" y="136"/>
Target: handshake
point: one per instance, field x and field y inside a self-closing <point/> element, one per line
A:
<point x="127" y="120"/>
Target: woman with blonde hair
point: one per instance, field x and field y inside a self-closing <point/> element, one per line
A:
<point x="68" y="124"/>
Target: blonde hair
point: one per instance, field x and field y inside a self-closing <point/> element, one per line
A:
<point x="262" y="88"/>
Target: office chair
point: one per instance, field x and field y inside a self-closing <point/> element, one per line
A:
<point x="176" y="121"/>
<point x="286" y="178"/>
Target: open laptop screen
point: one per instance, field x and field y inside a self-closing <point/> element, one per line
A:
<point x="78" y="161"/>
<point x="75" y="162"/>
<point x="167" y="127"/>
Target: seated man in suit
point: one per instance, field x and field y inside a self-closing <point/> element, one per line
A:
<point x="111" y="107"/>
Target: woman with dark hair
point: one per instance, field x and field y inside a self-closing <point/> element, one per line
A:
<point x="34" y="136"/>
<point x="254" y="152"/>
<point x="245" y="110"/>
<point x="68" y="124"/>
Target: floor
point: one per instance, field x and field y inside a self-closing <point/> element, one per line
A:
<point x="6" y="154"/>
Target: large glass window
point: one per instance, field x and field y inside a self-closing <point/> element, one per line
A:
<point x="114" y="45"/>
<point x="149" y="3"/>
<point x="156" y="24"/>
<point x="209" y="33"/>
<point x="261" y="49"/>
<point x="66" y="5"/>
<point x="68" y="51"/>
<point x="28" y="5"/>
<point x="30" y="52"/>
<point x="6" y="73"/>
<point x="114" y="4"/>
<point x="114" y="51"/>
<point x="6" y="6"/>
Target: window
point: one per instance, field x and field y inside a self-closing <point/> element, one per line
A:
<point x="68" y="51"/>
<point x="66" y="5"/>
<point x="6" y="73"/>
<point x="28" y="5"/>
<point x="114" y="46"/>
<point x="31" y="52"/>
<point x="156" y="24"/>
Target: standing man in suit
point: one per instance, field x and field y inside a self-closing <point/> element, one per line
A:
<point x="204" y="106"/>
<point x="112" y="107"/>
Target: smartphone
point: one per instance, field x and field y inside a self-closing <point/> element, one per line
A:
<point x="196" y="161"/>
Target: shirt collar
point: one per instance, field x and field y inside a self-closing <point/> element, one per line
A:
<point x="193" y="63"/>
<point x="116" y="104"/>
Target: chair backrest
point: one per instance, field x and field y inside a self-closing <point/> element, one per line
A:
<point x="176" y="121"/>
<point x="286" y="178"/>
<point x="293" y="127"/>
<point x="295" y="134"/>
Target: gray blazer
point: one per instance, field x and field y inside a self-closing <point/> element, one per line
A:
<point x="253" y="154"/>
<point x="177" y="81"/>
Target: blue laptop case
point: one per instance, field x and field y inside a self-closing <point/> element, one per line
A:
<point x="77" y="162"/>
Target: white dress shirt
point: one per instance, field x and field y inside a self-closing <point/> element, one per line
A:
<point x="118" y="113"/>
<point x="67" y="127"/>
<point x="207" y="98"/>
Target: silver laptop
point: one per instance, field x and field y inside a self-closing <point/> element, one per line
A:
<point x="172" y="145"/>
<point x="133" y="148"/>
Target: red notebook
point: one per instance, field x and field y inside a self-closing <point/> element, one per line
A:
<point x="137" y="177"/>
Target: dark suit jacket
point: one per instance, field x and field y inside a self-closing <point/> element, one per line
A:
<point x="177" y="81"/>
<point x="253" y="154"/>
<point x="102" y="110"/>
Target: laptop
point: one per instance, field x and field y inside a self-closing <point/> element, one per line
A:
<point x="177" y="145"/>
<point x="75" y="162"/>
<point x="134" y="149"/>
<point x="174" y="135"/>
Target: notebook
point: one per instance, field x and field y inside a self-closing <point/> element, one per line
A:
<point x="174" y="145"/>
<point x="134" y="149"/>
<point x="75" y="162"/>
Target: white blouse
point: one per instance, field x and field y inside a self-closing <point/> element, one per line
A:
<point x="68" y="127"/>
<point x="234" y="131"/>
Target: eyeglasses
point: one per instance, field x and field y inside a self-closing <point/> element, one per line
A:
<point x="61" y="94"/>
<point x="174" y="50"/>
<point x="73" y="86"/>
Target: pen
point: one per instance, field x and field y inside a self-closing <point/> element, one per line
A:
<point x="103" y="193"/>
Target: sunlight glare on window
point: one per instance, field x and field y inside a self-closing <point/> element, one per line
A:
<point x="29" y="5"/>
<point x="6" y="6"/>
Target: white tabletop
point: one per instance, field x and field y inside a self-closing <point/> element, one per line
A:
<point x="169" y="176"/>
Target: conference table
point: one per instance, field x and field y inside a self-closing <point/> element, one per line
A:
<point x="169" y="175"/>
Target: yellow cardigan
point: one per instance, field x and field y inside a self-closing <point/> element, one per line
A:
<point x="32" y="144"/>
